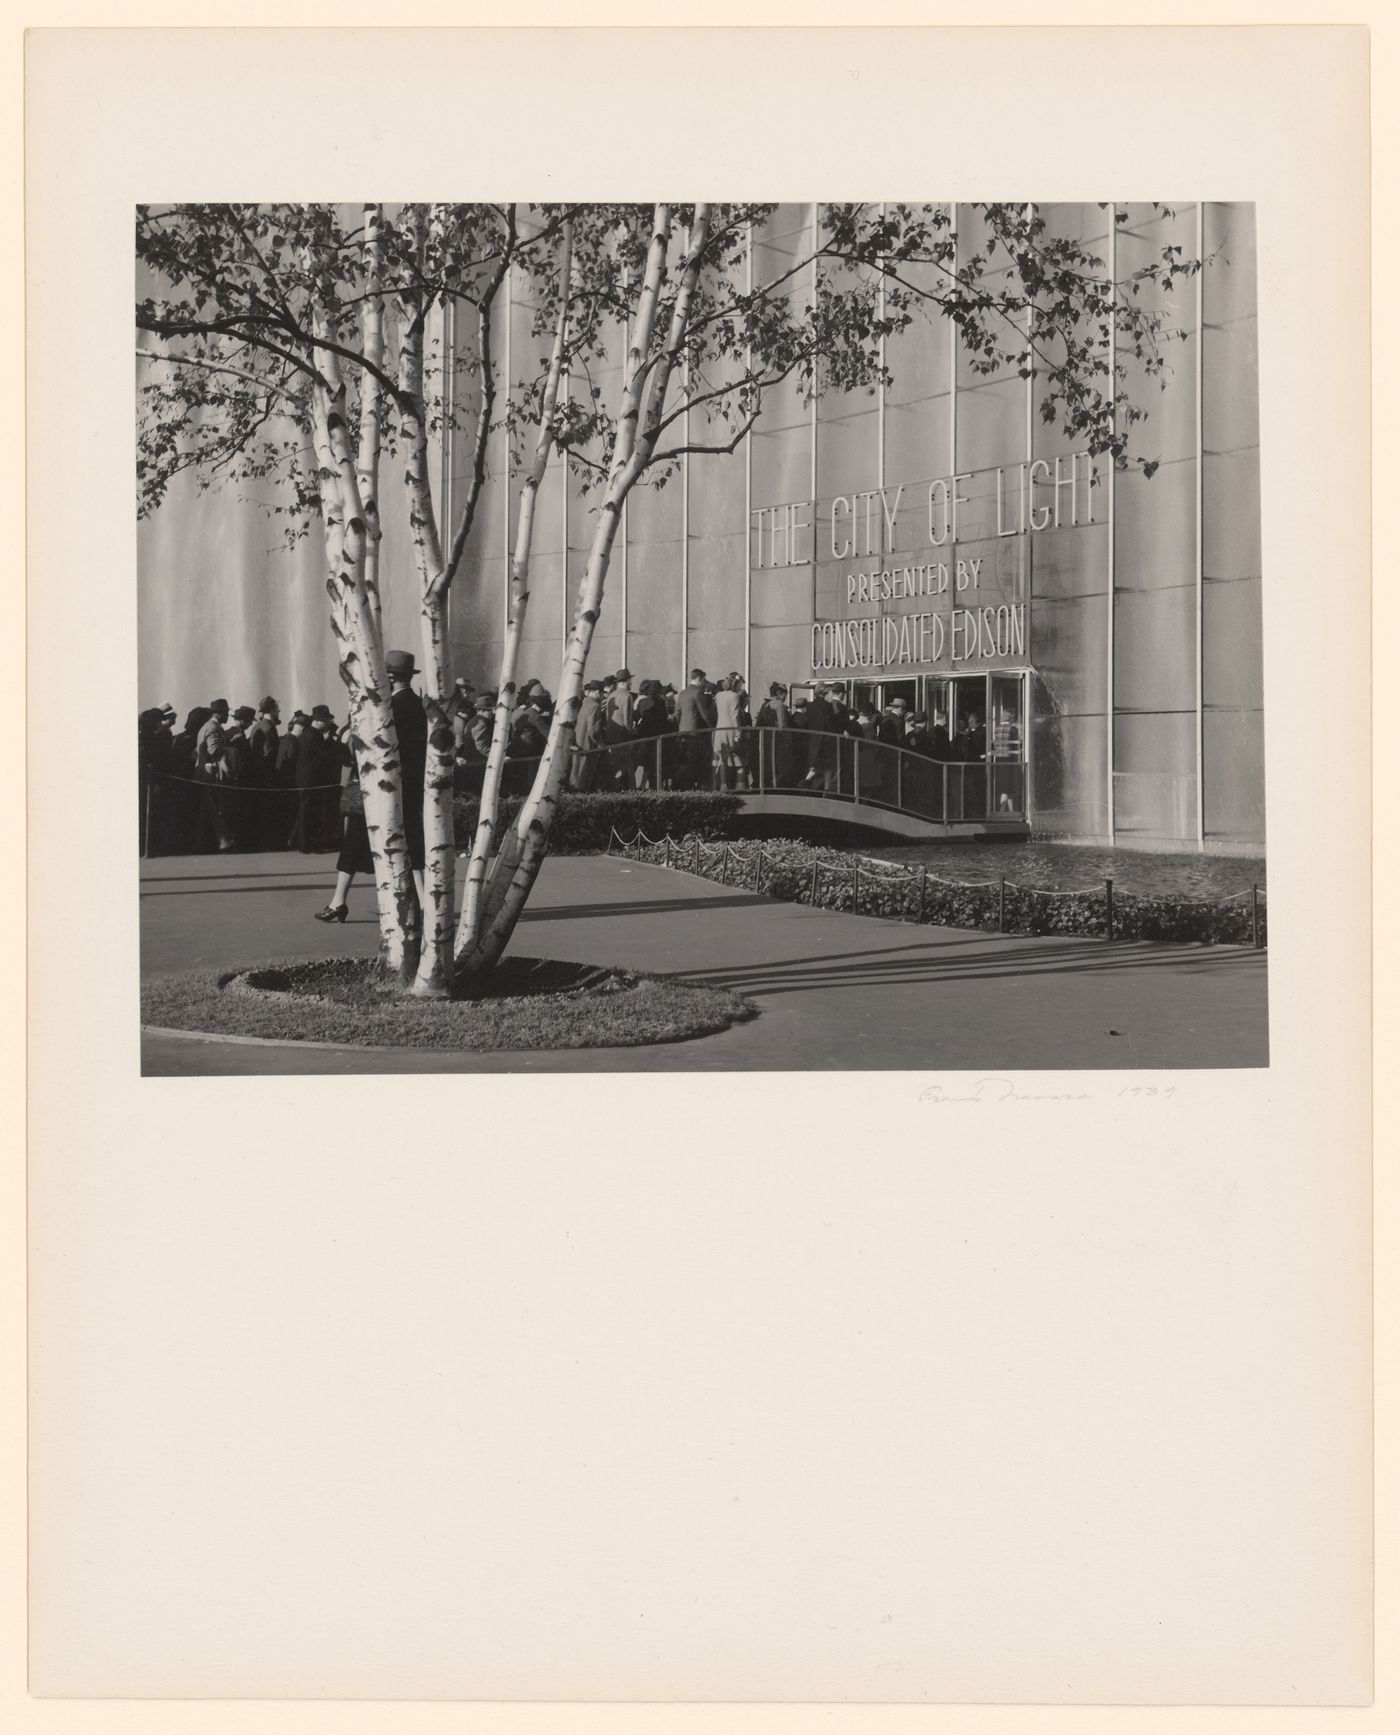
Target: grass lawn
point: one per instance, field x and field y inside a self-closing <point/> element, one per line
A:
<point x="531" y="1003"/>
<point x="1069" y="866"/>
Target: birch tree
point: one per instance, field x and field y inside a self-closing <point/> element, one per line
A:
<point x="707" y="346"/>
<point x="293" y="342"/>
<point x="267" y="358"/>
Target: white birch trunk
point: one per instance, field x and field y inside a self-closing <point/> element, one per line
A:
<point x="371" y="409"/>
<point x="522" y="853"/>
<point x="433" y="979"/>
<point x="489" y="809"/>
<point x="373" y="736"/>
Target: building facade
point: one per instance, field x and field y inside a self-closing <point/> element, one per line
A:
<point x="938" y="540"/>
<point x="934" y="539"/>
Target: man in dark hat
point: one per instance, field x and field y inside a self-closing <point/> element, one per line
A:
<point x="318" y="784"/>
<point x="284" y="803"/>
<point x="211" y="769"/>
<point x="260" y="777"/>
<point x="411" y="725"/>
<point x="695" y="717"/>
<point x="152" y="763"/>
<point x="236" y="804"/>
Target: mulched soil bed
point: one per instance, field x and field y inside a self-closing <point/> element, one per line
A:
<point x="531" y="1003"/>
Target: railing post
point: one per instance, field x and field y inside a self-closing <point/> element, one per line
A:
<point x="923" y="891"/>
<point x="697" y="852"/>
<point x="724" y="869"/>
<point x="855" y="887"/>
<point x="899" y="778"/>
<point x="1108" y="906"/>
<point x="1001" y="906"/>
<point x="658" y="785"/>
<point x="815" y="865"/>
<point x="668" y="849"/>
<point x="1254" y="915"/>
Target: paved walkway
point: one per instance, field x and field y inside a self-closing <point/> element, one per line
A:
<point x="835" y="991"/>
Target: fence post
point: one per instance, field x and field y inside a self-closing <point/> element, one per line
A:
<point x="1001" y="906"/>
<point x="697" y="852"/>
<point x="899" y="778"/>
<point x="815" y="865"/>
<point x="923" y="891"/>
<point x="724" y="870"/>
<point x="668" y="843"/>
<point x="855" y="886"/>
<point x="1108" y="905"/>
<point x="1254" y="915"/>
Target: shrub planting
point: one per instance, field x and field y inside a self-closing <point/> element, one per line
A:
<point x="802" y="873"/>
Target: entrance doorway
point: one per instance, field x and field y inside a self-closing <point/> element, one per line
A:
<point x="880" y="693"/>
<point x="982" y="720"/>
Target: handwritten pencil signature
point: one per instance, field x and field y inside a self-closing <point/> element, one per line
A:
<point x="1005" y="1090"/>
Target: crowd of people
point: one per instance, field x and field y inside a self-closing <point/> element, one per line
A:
<point x="240" y="779"/>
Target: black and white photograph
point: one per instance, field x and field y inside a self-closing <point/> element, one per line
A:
<point x="724" y="1077"/>
<point x="729" y="636"/>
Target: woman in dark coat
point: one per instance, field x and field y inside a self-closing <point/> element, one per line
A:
<point x="773" y="714"/>
<point x="355" y="857"/>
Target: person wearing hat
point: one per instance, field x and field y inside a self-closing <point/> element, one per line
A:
<point x="317" y="825"/>
<point x="822" y="720"/>
<point x="473" y="743"/>
<point x="483" y="724"/>
<point x="152" y="766"/>
<point x="461" y="706"/>
<point x="237" y="813"/>
<point x="588" y="738"/>
<point x="777" y="746"/>
<point x="411" y="725"/>
<point x="892" y="721"/>
<point x="284" y="803"/>
<point x="617" y="728"/>
<point x="211" y="769"/>
<point x="695" y="717"/>
<point x="260" y="776"/>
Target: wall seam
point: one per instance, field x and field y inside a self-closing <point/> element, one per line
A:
<point x="1200" y="529"/>
<point x="1109" y="699"/>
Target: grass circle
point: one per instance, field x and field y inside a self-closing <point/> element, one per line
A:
<point x="529" y="1003"/>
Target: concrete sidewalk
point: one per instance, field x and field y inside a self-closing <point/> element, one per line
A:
<point x="834" y="991"/>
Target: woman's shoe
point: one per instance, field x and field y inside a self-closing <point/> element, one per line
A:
<point x="333" y="913"/>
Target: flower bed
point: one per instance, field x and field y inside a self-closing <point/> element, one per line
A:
<point x="832" y="880"/>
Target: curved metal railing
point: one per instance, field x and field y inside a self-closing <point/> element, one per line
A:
<point x="803" y="762"/>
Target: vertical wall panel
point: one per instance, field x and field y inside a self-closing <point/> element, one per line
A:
<point x="1231" y="550"/>
<point x="1156" y="562"/>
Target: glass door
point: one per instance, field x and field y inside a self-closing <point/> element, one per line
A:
<point x="1006" y="744"/>
<point x="1006" y="715"/>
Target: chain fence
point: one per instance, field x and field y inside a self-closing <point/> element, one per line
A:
<point x="799" y="873"/>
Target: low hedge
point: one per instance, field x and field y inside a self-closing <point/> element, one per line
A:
<point x="584" y="824"/>
<point x="784" y="870"/>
